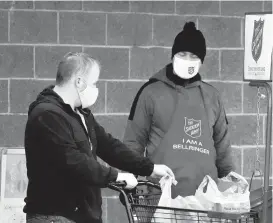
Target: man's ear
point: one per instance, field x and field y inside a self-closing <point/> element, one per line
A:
<point x="80" y="83"/>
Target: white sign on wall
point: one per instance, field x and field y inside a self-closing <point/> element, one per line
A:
<point x="258" y="47"/>
<point x="13" y="185"/>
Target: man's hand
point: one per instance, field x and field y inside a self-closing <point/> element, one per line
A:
<point x="129" y="178"/>
<point x="162" y="171"/>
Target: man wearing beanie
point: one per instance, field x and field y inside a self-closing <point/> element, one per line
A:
<point x="178" y="120"/>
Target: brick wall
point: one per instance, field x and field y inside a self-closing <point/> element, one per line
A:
<point x="132" y="40"/>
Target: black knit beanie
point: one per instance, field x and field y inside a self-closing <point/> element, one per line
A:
<point x="191" y="40"/>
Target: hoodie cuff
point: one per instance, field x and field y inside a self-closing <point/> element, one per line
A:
<point x="113" y="174"/>
<point x="145" y="167"/>
<point x="150" y="168"/>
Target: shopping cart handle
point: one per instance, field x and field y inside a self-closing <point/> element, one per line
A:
<point x="117" y="186"/>
<point x="148" y="183"/>
<point x="120" y="186"/>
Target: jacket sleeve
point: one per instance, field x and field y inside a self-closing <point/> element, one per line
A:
<point x="139" y="122"/>
<point x="54" y="131"/>
<point x="222" y="144"/>
<point x="118" y="155"/>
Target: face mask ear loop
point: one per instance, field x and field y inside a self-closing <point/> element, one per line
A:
<point x="81" y="89"/>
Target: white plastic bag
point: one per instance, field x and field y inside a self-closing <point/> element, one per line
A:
<point x="167" y="216"/>
<point x="233" y="198"/>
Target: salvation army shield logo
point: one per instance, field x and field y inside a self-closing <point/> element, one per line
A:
<point x="257" y="39"/>
<point x="192" y="127"/>
<point x="190" y="70"/>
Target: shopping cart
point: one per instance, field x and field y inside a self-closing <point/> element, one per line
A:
<point x="141" y="207"/>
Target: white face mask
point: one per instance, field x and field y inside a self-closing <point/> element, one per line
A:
<point x="88" y="96"/>
<point x="186" y="69"/>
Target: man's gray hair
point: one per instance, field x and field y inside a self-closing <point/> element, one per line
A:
<point x="74" y="63"/>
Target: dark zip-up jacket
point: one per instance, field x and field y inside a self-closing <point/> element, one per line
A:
<point x="64" y="175"/>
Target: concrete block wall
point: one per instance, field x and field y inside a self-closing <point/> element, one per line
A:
<point x="132" y="40"/>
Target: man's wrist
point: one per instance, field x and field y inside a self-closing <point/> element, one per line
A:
<point x="113" y="175"/>
<point x="151" y="170"/>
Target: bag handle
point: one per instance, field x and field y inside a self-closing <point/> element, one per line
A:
<point x="204" y="184"/>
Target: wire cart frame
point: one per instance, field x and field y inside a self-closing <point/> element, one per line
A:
<point x="141" y="207"/>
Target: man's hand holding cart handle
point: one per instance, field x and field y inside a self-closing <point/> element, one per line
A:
<point x="130" y="181"/>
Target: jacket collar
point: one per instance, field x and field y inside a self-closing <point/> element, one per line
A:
<point x="49" y="95"/>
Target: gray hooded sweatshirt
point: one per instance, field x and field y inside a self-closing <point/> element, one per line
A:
<point x="183" y="127"/>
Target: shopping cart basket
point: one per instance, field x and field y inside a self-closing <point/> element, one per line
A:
<point x="141" y="208"/>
